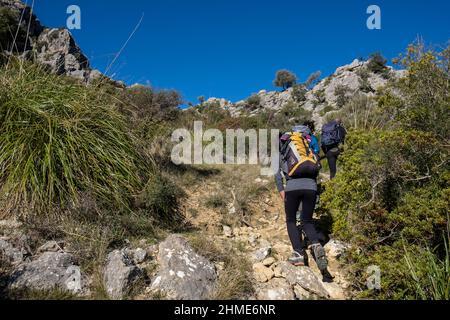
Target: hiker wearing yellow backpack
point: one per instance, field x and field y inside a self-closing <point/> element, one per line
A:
<point x="297" y="183"/>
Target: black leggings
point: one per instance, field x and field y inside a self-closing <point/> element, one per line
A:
<point x="292" y="203"/>
<point x="332" y="158"/>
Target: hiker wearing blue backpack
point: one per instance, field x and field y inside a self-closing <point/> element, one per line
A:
<point x="333" y="136"/>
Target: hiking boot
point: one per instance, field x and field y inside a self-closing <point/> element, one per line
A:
<point x="298" y="260"/>
<point x="320" y="256"/>
<point x="327" y="277"/>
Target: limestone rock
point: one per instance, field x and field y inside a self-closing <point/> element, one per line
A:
<point x="262" y="253"/>
<point x="304" y="277"/>
<point x="227" y="231"/>
<point x="268" y="262"/>
<point x="49" y="271"/>
<point x="183" y="274"/>
<point x="10" y="253"/>
<point x="139" y="255"/>
<point x="276" y="289"/>
<point x="335" y="249"/>
<point x="120" y="274"/>
<point x="262" y="273"/>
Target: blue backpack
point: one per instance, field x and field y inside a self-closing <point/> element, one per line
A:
<point x="331" y="134"/>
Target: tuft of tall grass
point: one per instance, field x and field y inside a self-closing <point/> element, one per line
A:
<point x="430" y="274"/>
<point x="58" y="139"/>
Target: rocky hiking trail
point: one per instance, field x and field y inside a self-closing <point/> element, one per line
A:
<point x="264" y="241"/>
<point x="173" y="268"/>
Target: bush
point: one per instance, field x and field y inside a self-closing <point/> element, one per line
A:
<point x="364" y="84"/>
<point x="161" y="198"/>
<point x="299" y="93"/>
<point x="424" y="94"/>
<point x="313" y="79"/>
<point x="342" y="94"/>
<point x="156" y="105"/>
<point x="377" y="65"/>
<point x="60" y="139"/>
<point x="362" y="113"/>
<point x="319" y="97"/>
<point x="254" y="101"/>
<point x="289" y="115"/>
<point x="391" y="195"/>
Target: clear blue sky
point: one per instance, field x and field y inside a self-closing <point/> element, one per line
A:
<point x="232" y="48"/>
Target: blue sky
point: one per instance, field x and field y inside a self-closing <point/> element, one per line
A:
<point x="232" y="48"/>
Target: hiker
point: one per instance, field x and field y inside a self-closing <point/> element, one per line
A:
<point x="333" y="136"/>
<point x="314" y="141"/>
<point x="296" y="181"/>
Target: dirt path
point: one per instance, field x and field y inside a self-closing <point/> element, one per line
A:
<point x="267" y="228"/>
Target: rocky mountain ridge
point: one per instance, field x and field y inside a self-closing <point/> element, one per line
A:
<point x="53" y="47"/>
<point x="325" y="97"/>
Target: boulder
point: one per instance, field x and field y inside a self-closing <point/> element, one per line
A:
<point x="11" y="253"/>
<point x="276" y="289"/>
<point x="335" y="249"/>
<point x="120" y="274"/>
<point x="139" y="255"/>
<point x="183" y="274"/>
<point x="51" y="270"/>
<point x="305" y="278"/>
<point x="262" y="273"/>
<point x="335" y="291"/>
<point x="262" y="254"/>
<point x="268" y="262"/>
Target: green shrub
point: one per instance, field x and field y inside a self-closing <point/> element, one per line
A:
<point x="299" y="93"/>
<point x="60" y="139"/>
<point x="391" y="191"/>
<point x="154" y="104"/>
<point x="364" y="84"/>
<point x="254" y="101"/>
<point x="161" y="198"/>
<point x="342" y="93"/>
<point x="377" y="65"/>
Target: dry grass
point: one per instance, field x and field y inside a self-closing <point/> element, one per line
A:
<point x="235" y="280"/>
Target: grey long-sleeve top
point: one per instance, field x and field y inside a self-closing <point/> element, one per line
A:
<point x="292" y="184"/>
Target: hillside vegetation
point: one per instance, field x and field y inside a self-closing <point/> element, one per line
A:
<point x="90" y="164"/>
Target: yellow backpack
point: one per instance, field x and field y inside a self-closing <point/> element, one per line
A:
<point x="297" y="152"/>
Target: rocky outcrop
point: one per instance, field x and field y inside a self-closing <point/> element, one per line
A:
<point x="54" y="48"/>
<point x="183" y="274"/>
<point x="327" y="96"/>
<point x="27" y="27"/>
